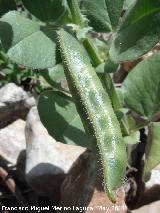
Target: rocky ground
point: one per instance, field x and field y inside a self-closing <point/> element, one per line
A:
<point x="36" y="170"/>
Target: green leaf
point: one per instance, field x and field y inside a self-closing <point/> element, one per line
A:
<point x="26" y="42"/>
<point x="7" y="5"/>
<point x="102" y="14"/>
<point x="59" y="115"/>
<point x="54" y="75"/>
<point x="96" y="12"/>
<point x="138" y="32"/>
<point x="133" y="138"/>
<point x="128" y="3"/>
<point x="141" y="88"/>
<point x="46" y="11"/>
<point x="131" y="123"/>
<point x="114" y="8"/>
<point x="92" y="51"/>
<point x="152" y="149"/>
<point x="120" y="113"/>
<point x="14" y="28"/>
<point x="102" y="48"/>
<point x="7" y="71"/>
<point x="107" y="67"/>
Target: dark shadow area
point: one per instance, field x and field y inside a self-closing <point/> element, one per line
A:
<point x="46" y="12"/>
<point x="137" y="186"/>
<point x="3" y="162"/>
<point x="46" y="180"/>
<point x="12" y="111"/>
<point x="6" y="35"/>
<point x="138" y="194"/>
<point x="7" y="6"/>
<point x="79" y="184"/>
<point x="150" y="195"/>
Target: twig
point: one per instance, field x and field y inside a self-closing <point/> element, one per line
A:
<point x="10" y="183"/>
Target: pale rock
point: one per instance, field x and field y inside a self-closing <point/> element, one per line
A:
<point x="47" y="161"/>
<point x="155" y="177"/>
<point x="14" y="103"/>
<point x="12" y="141"/>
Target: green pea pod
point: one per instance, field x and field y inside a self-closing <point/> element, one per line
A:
<point x="95" y="109"/>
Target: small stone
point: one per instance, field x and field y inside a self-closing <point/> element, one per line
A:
<point x="30" y="102"/>
<point x="14" y="104"/>
<point x="12" y="141"/>
<point x="11" y="93"/>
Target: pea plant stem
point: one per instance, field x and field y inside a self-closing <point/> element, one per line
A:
<point x="76" y="14"/>
<point x="78" y="19"/>
<point x="96" y="60"/>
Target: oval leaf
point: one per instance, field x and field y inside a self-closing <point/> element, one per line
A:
<point x="59" y="116"/>
<point x="114" y="8"/>
<point x="27" y="43"/>
<point x="102" y="14"/>
<point x="133" y="138"/>
<point x="54" y="75"/>
<point x="138" y="33"/>
<point x="141" y="88"/>
<point x="152" y="149"/>
<point x="96" y="12"/>
<point x="48" y="10"/>
<point x="107" y="67"/>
